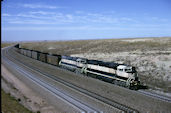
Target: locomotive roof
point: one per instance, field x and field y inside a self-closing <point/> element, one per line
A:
<point x="95" y="62"/>
<point x="102" y="63"/>
<point x="53" y="54"/>
<point x="72" y="58"/>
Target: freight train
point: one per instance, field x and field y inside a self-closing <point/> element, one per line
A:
<point x="120" y="74"/>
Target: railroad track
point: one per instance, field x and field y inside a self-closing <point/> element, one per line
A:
<point x="68" y="99"/>
<point x="154" y="95"/>
<point x="81" y="107"/>
<point x="77" y="88"/>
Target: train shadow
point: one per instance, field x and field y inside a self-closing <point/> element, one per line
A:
<point x="143" y="87"/>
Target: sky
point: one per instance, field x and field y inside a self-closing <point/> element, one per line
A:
<point x="35" y="20"/>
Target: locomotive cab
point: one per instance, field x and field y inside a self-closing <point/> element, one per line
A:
<point x="124" y="71"/>
<point x="128" y="73"/>
<point x="82" y="61"/>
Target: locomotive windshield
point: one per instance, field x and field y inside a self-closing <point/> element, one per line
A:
<point x="128" y="70"/>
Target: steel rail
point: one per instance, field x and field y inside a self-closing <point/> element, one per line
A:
<point x="154" y="95"/>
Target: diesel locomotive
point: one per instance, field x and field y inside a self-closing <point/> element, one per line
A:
<point x="116" y="73"/>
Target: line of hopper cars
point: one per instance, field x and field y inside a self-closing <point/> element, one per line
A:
<point x="44" y="57"/>
<point x="115" y="73"/>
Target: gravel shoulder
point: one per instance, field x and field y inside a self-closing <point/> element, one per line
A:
<point x="18" y="88"/>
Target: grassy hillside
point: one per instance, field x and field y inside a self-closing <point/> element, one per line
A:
<point x="107" y="45"/>
<point x="11" y="105"/>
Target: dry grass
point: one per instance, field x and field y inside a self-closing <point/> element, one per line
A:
<point x="91" y="46"/>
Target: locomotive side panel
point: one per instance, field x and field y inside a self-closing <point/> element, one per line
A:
<point x="68" y="62"/>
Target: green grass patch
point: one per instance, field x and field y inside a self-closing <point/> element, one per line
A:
<point x="11" y="105"/>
